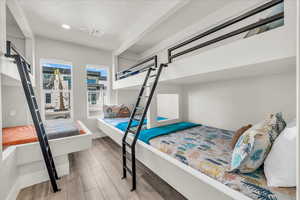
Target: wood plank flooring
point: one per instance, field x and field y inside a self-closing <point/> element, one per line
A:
<point x="95" y="174"/>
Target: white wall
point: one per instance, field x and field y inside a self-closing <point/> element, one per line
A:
<point x="234" y="103"/>
<point x="9" y="177"/>
<point x="126" y="60"/>
<point x="15" y="110"/>
<point x="80" y="57"/>
<point x="14" y="33"/>
<point x="2" y="27"/>
<point x="8" y="166"/>
<point x="168" y="105"/>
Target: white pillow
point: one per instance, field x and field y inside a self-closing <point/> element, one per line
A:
<point x="280" y="164"/>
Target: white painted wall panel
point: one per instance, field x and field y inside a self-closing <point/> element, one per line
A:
<point x="168" y="105"/>
<point x="15" y="110"/>
<point x="234" y="103"/>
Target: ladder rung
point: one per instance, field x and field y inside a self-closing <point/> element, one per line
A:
<point x="137" y="119"/>
<point x="127" y="144"/>
<point x="139" y="107"/>
<point x="131" y="131"/>
<point x="129" y="158"/>
<point x="129" y="170"/>
<point x="147" y="86"/>
<point x="154" y="75"/>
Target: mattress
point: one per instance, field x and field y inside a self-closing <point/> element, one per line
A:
<point x="122" y="123"/>
<point x="61" y="128"/>
<point x="208" y="150"/>
<point x="26" y="134"/>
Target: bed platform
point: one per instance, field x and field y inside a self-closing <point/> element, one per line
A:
<point x="200" y="161"/>
<point x="27" y="146"/>
<point x="30" y="160"/>
<point x="9" y="74"/>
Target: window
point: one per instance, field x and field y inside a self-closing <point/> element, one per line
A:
<point x="56" y="90"/>
<point x="97" y="90"/>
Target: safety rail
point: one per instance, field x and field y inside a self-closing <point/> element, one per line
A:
<point x="136" y="69"/>
<point x="11" y="51"/>
<point x="228" y="23"/>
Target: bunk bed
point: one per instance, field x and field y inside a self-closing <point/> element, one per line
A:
<point x="193" y="60"/>
<point x="203" y="169"/>
<point x="211" y="179"/>
<point x="32" y="144"/>
<point x="137" y="68"/>
<point x="9" y="73"/>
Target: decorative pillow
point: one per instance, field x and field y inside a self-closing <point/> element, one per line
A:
<point x="238" y="133"/>
<point x="280" y="164"/>
<point x="116" y="111"/>
<point x="124" y="112"/>
<point x="138" y="111"/>
<point x="254" y="145"/>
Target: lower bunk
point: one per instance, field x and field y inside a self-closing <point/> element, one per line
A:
<point x="196" y="160"/>
<point x="64" y="138"/>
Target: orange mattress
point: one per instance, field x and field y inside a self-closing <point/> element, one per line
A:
<point x="23" y="134"/>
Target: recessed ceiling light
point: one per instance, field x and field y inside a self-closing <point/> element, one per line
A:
<point x="66" y="26"/>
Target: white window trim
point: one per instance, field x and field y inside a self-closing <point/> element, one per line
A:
<point x="43" y="60"/>
<point x="108" y="87"/>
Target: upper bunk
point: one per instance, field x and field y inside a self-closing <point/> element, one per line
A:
<point x="239" y="47"/>
<point x="9" y="70"/>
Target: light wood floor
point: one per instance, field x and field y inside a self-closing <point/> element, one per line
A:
<point x="96" y="175"/>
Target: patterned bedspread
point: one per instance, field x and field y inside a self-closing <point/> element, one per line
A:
<point x="208" y="150"/>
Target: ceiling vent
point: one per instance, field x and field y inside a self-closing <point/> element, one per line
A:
<point x="92" y="32"/>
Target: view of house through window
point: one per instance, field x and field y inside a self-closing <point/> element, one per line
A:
<point x="57" y="85"/>
<point x="97" y="86"/>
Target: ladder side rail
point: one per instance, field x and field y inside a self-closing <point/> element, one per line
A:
<point x="137" y="103"/>
<point x="130" y="122"/>
<point x="148" y="104"/>
<point x="133" y="160"/>
<point x="36" y="121"/>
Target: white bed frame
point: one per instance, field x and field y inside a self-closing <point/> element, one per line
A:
<point x="30" y="162"/>
<point x="189" y="182"/>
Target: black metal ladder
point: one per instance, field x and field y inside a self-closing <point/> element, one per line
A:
<point x="36" y="117"/>
<point x="133" y="116"/>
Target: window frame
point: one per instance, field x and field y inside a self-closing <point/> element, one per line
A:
<point x="41" y="89"/>
<point x="108" y="86"/>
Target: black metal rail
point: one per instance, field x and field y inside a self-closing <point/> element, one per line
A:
<point x="228" y="23"/>
<point x="135" y="69"/>
<point x="23" y="67"/>
<point x="11" y="50"/>
<point x="152" y="86"/>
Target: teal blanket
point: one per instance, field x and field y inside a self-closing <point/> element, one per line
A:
<point x="123" y="125"/>
<point x="148" y="134"/>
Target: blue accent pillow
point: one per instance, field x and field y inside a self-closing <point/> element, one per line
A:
<point x="254" y="145"/>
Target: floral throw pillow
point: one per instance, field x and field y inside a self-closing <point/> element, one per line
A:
<point x="254" y="145"/>
<point x="116" y="111"/>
